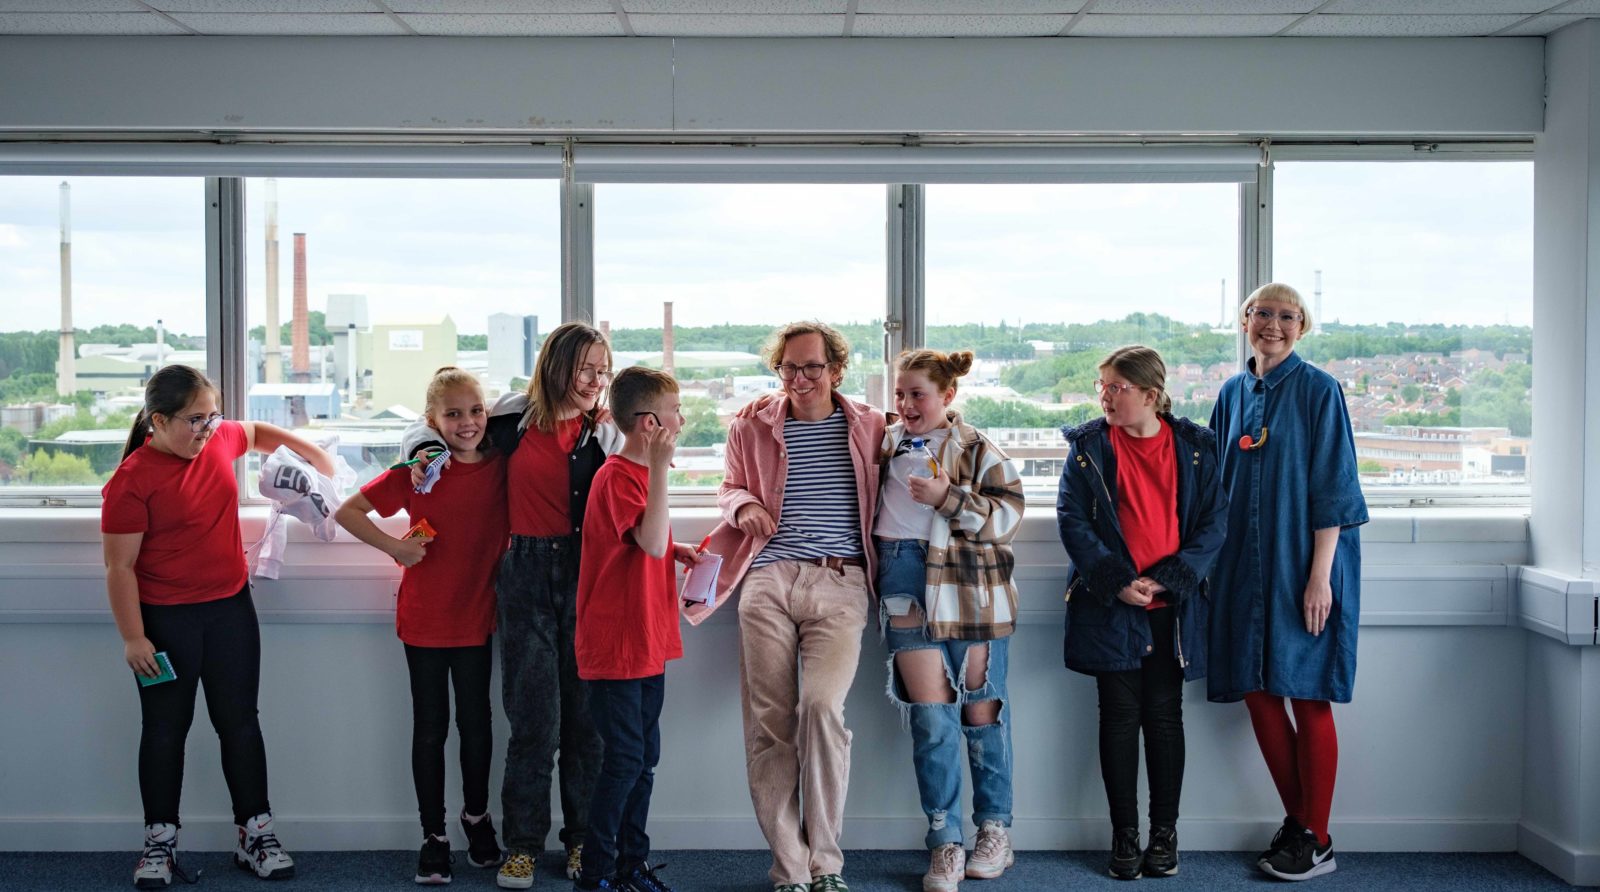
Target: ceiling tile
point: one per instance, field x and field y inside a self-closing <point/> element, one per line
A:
<point x="736" y="7"/>
<point x="264" y="6"/>
<point x="1325" y="25"/>
<point x="1545" y="24"/>
<point x="515" y="25"/>
<point x="70" y="6"/>
<point x="970" y="7"/>
<point x="524" y="7"/>
<point x="1203" y="7"/>
<point x="646" y="25"/>
<point x="1441" y="7"/>
<point x="1093" y="25"/>
<point x="287" y="24"/>
<point x="86" y="23"/>
<point x="959" y="25"/>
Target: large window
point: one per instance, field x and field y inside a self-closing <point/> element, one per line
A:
<point x="378" y="283"/>
<point x="118" y="263"/>
<point x="727" y="265"/>
<point x="1420" y="277"/>
<point x="1041" y="282"/>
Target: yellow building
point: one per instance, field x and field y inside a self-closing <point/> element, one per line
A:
<point x="405" y="354"/>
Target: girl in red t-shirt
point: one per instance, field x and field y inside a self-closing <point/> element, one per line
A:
<point x="445" y="609"/>
<point x="178" y="583"/>
<point x="1142" y="515"/>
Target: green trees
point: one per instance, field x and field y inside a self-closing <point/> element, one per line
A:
<point x="46" y="468"/>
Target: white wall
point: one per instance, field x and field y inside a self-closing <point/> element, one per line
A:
<point x="1442" y="662"/>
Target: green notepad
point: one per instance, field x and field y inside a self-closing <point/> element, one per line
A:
<point x="166" y="671"/>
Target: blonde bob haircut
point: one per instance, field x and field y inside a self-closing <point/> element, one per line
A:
<point x="1143" y="368"/>
<point x="1277" y="291"/>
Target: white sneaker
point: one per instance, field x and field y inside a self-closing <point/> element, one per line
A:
<point x="260" y="852"/>
<point x="991" y="852"/>
<point x="160" y="858"/>
<point x="946" y="866"/>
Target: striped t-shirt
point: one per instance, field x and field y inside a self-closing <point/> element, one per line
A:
<point x="820" y="516"/>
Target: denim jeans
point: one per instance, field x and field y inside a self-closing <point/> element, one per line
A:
<point x="937" y="728"/>
<point x="628" y="715"/>
<point x="434" y="672"/>
<point x="1151" y="698"/>
<point x="546" y="703"/>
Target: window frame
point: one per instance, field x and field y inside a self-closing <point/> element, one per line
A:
<point x="904" y="245"/>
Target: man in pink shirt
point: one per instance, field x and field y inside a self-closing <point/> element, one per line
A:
<point x="798" y="499"/>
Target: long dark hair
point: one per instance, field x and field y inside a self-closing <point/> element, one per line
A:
<point x="166" y="393"/>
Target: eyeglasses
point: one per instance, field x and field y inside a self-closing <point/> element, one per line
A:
<point x="1113" y="388"/>
<point x="198" y="423"/>
<point x="1262" y="315"/>
<point x="587" y="375"/>
<point x="813" y="370"/>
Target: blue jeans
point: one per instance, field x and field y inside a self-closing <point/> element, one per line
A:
<point x="628" y="716"/>
<point x="937" y="728"/>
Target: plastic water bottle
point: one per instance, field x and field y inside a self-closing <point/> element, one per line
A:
<point x="928" y="466"/>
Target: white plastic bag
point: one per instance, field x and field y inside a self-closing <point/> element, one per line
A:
<point x="298" y="490"/>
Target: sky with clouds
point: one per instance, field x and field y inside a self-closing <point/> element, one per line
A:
<point x="1448" y="242"/>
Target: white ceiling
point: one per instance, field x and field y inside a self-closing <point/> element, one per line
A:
<point x="799" y="18"/>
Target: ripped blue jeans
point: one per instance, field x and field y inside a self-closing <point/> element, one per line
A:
<point x="937" y="728"/>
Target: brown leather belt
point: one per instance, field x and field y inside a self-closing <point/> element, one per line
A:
<point x="836" y="564"/>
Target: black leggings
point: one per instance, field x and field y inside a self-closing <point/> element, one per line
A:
<point x="216" y="644"/>
<point x="433" y="671"/>
<point x="1151" y="698"/>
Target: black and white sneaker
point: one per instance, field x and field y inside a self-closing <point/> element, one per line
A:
<point x="159" y="861"/>
<point x="1126" y="859"/>
<point x="1290" y="829"/>
<point x="1161" y="858"/>
<point x="1302" y="858"/>
<point x="483" y="847"/>
<point x="433" y="862"/>
<point x="643" y="878"/>
<point x="260" y="852"/>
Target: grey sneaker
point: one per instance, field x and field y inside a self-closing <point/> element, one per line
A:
<point x="991" y="853"/>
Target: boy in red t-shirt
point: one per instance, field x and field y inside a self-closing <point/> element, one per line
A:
<point x="627" y="625"/>
<point x="445" y="611"/>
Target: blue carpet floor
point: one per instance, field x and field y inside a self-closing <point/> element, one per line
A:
<point x="866" y="871"/>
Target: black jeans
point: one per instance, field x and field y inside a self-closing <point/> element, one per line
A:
<point x="545" y="701"/>
<point x="433" y="672"/>
<point x="216" y="644"/>
<point x="628" y="714"/>
<point x="1150" y="697"/>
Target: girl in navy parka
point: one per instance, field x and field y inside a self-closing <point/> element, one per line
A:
<point x="1142" y="515"/>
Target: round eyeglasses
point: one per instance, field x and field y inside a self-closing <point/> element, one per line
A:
<point x="1113" y="388"/>
<point x="812" y="370"/>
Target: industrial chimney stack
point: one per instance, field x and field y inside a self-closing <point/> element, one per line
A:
<point x="271" y="348"/>
<point x="1317" y="305"/>
<point x="666" y="337"/>
<point x="67" y="370"/>
<point x="300" y="332"/>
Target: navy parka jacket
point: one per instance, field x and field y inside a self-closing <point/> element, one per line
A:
<point x="1103" y="633"/>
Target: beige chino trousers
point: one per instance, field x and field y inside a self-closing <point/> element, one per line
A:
<point x="799" y="642"/>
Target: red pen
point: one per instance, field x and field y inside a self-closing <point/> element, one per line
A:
<point x="703" y="543"/>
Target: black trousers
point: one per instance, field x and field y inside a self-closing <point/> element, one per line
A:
<point x="1148" y="698"/>
<point x="434" y="671"/>
<point x="628" y="716"/>
<point x="215" y="645"/>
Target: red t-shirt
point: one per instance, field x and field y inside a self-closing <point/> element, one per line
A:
<point x="1147" y="496"/>
<point x="447" y="599"/>
<point x="627" y="600"/>
<point x="188" y="511"/>
<point x="538" y="480"/>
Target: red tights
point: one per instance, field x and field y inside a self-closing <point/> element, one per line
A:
<point x="1303" y="757"/>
